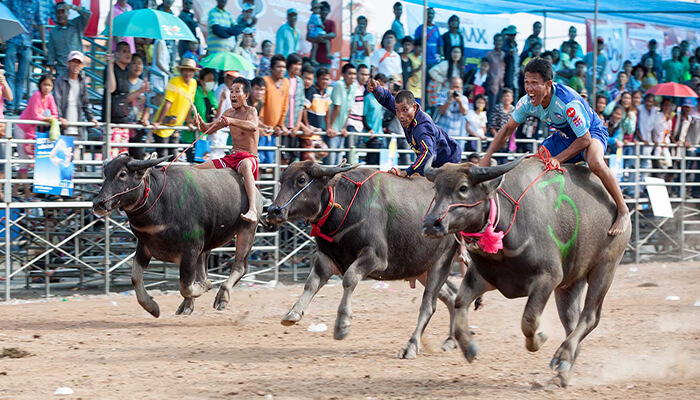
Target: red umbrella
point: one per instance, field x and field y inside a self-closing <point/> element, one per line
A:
<point x="672" y="89"/>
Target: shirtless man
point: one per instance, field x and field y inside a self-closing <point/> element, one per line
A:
<point x="242" y="121"/>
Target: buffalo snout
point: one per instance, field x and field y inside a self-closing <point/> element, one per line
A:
<point x="275" y="215"/>
<point x="433" y="227"/>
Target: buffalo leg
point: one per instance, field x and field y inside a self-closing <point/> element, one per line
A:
<point x="190" y="286"/>
<point x="244" y="242"/>
<point x="320" y="273"/>
<point x="141" y="260"/>
<point x="448" y="294"/>
<point x="599" y="281"/>
<point x="434" y="281"/>
<point x="366" y="262"/>
<point x="569" y="304"/>
<point x="540" y="291"/>
<point x="473" y="286"/>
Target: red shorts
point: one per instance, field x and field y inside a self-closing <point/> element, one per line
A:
<point x="234" y="160"/>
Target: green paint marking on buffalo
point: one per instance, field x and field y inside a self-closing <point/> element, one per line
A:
<point x="373" y="202"/>
<point x="564" y="248"/>
<point x="190" y="182"/>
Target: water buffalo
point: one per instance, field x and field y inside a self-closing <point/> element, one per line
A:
<point x="179" y="217"/>
<point x="373" y="231"/>
<point x="558" y="241"/>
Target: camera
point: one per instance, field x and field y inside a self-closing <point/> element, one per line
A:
<point x="396" y="87"/>
<point x="455" y="94"/>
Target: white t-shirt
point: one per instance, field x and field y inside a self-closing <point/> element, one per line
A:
<point x="386" y="64"/>
<point x="72" y="114"/>
<point x="477" y="122"/>
<point x="226" y="103"/>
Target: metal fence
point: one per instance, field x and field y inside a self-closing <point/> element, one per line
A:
<point x="57" y="243"/>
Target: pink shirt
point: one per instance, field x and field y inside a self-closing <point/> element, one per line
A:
<point x="119" y="10"/>
<point x="36" y="110"/>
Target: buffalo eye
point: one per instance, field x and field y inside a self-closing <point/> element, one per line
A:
<point x="301" y="180"/>
<point x="122" y="175"/>
<point x="463" y="189"/>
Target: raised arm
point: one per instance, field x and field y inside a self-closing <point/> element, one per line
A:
<point x="383" y="96"/>
<point x="499" y="141"/>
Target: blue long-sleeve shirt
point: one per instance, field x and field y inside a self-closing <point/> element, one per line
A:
<point x="425" y="138"/>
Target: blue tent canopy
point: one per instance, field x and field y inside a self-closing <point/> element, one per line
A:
<point x="661" y="12"/>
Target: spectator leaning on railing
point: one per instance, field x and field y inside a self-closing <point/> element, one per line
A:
<point x="67" y="36"/>
<point x="176" y="107"/>
<point x="70" y="93"/>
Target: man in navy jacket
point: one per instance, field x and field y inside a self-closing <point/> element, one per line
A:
<point x="425" y="138"/>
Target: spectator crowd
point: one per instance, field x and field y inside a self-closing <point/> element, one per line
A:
<point x="158" y="84"/>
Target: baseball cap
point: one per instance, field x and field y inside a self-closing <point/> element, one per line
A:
<point x="601" y="40"/>
<point x="511" y="30"/>
<point x="292" y="11"/>
<point x="247" y="7"/>
<point x="76" y="55"/>
<point x="688" y="102"/>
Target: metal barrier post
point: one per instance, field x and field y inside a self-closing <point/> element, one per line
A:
<point x="681" y="219"/>
<point x="8" y="210"/>
<point x="637" y="177"/>
<point x="275" y="189"/>
<point x="352" y="154"/>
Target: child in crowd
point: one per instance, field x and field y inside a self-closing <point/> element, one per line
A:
<point x="316" y="29"/>
<point x="41" y="107"/>
<point x="192" y="51"/>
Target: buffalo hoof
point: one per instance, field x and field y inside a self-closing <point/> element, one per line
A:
<point x="559" y="381"/>
<point x="221" y="300"/>
<point x="186" y="307"/>
<point x="152" y="307"/>
<point x="410" y="351"/>
<point x="449" y="344"/>
<point x="534" y="343"/>
<point x="291" y="318"/>
<point x="470" y="351"/>
<point x="341" y="331"/>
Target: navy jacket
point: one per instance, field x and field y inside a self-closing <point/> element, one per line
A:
<point x="425" y="138"/>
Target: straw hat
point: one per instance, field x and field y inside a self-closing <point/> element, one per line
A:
<point x="188" y="63"/>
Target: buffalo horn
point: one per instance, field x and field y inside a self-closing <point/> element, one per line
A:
<point x="483" y="174"/>
<point x="319" y="171"/>
<point x="137" y="165"/>
<point x="428" y="171"/>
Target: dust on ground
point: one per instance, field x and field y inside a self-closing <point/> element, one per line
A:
<point x="108" y="347"/>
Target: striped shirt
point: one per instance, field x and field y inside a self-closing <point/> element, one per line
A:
<point x="216" y="44"/>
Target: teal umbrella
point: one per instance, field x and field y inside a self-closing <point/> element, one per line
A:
<point x="9" y="24"/>
<point x="153" y="24"/>
<point x="226" y="61"/>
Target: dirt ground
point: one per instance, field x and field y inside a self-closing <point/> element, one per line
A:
<point x="646" y="346"/>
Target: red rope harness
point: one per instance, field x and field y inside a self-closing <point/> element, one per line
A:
<point x="544" y="155"/>
<point x="316" y="227"/>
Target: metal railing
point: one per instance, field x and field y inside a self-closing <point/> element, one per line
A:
<point x="41" y="238"/>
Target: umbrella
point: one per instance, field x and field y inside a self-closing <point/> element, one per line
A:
<point x="226" y="61"/>
<point x="9" y="24"/>
<point x="147" y="23"/>
<point x="672" y="89"/>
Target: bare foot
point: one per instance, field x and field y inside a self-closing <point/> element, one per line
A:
<point x="250" y="216"/>
<point x="621" y="224"/>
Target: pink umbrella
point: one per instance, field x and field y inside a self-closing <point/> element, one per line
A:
<point x="672" y="89"/>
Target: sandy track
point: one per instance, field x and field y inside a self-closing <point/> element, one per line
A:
<point x="108" y="347"/>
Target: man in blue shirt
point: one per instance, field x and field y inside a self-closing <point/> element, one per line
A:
<point x="19" y="48"/>
<point x="579" y="133"/>
<point x="288" y="40"/>
<point x="425" y="138"/>
<point x="433" y="46"/>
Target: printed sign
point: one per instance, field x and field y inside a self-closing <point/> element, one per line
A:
<point x="53" y="166"/>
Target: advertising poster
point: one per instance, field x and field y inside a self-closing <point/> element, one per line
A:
<point x="53" y="165"/>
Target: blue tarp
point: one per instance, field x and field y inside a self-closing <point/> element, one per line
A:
<point x="669" y="13"/>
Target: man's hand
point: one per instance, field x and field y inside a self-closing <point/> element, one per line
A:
<point x="95" y="122"/>
<point x="400" y="173"/>
<point x="277" y="131"/>
<point x="64" y="122"/>
<point x="145" y="88"/>
<point x="371" y="85"/>
<point x="3" y="80"/>
<point x="344" y="132"/>
<point x="332" y="132"/>
<point x="285" y="131"/>
<point x="221" y="123"/>
<point x="156" y="125"/>
<point x="555" y="163"/>
<point x="485" y="161"/>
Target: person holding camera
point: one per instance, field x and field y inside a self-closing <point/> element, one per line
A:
<point x="452" y="110"/>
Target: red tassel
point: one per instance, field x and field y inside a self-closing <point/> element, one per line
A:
<point x="491" y="241"/>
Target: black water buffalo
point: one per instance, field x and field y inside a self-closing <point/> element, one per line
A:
<point x="379" y="238"/>
<point x="179" y="217"/>
<point x="558" y="242"/>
